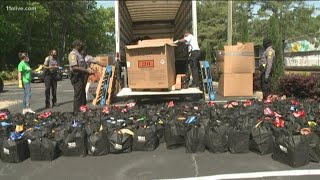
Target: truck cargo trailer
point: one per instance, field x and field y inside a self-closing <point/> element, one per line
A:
<point x="136" y="19"/>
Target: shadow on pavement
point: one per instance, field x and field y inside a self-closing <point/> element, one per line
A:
<point x="59" y="104"/>
<point x="4" y="91"/>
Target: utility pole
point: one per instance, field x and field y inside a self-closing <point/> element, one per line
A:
<point x="229" y="22"/>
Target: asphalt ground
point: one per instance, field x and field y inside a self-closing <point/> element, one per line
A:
<point x="159" y="164"/>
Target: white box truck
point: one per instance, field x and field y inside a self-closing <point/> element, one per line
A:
<point x="153" y="19"/>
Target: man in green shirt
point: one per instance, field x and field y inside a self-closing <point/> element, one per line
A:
<point x="24" y="76"/>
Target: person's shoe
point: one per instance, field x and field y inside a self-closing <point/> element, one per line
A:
<point x="47" y="107"/>
<point x="54" y="105"/>
<point x="30" y="111"/>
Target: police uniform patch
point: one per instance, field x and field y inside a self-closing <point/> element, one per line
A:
<point x="73" y="57"/>
<point x="269" y="54"/>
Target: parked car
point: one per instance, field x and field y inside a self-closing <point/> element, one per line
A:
<point x="65" y="71"/>
<point x="37" y="74"/>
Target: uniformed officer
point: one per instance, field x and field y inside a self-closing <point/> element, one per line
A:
<point x="79" y="71"/>
<point x="266" y="66"/>
<point x="50" y="66"/>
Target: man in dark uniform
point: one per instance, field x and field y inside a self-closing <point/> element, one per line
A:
<point x="79" y="72"/>
<point x="50" y="77"/>
<point x="266" y="67"/>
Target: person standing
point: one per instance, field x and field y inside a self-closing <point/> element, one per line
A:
<point x="194" y="51"/>
<point x="51" y="67"/>
<point x="79" y="72"/>
<point x="24" y="77"/>
<point x="266" y="66"/>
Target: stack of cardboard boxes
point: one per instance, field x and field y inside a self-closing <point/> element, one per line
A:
<point x="237" y="66"/>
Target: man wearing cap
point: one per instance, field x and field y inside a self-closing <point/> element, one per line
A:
<point x="266" y="66"/>
<point x="79" y="72"/>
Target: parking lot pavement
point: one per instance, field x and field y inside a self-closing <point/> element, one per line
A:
<point x="159" y="164"/>
<point x="13" y="94"/>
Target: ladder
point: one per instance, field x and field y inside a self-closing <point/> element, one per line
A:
<point x="206" y="76"/>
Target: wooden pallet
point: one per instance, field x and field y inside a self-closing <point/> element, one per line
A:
<point x="99" y="88"/>
<point x="113" y="87"/>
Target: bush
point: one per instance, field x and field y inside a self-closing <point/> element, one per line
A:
<point x="300" y="86"/>
<point x="9" y="75"/>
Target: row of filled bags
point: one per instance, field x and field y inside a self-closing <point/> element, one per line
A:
<point x="196" y="127"/>
<point x="292" y="149"/>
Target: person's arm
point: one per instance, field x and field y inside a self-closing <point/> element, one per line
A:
<point x="52" y="67"/>
<point x="180" y="41"/>
<point x="80" y="69"/>
<point x="74" y="65"/>
<point x="19" y="76"/>
<point x="99" y="63"/>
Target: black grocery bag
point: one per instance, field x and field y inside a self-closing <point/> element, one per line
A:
<point x="75" y="143"/>
<point x="98" y="144"/>
<point x="238" y="141"/>
<point x="195" y="140"/>
<point x="145" y="137"/>
<point x="43" y="149"/>
<point x="120" y="142"/>
<point x="14" y="151"/>
<point x="261" y="139"/>
<point x="175" y="132"/>
<point x="292" y="150"/>
<point x="91" y="127"/>
<point x="216" y="139"/>
<point x="314" y="145"/>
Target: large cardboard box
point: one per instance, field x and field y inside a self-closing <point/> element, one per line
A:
<point x="97" y="72"/>
<point x="237" y="59"/>
<point x="236" y="84"/>
<point x="104" y="60"/>
<point x="151" y="64"/>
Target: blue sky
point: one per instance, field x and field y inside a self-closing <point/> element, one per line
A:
<point x="105" y="3"/>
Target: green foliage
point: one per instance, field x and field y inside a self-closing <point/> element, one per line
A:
<point x="212" y="32"/>
<point x="252" y="21"/>
<point x="9" y="75"/>
<point x="53" y="25"/>
<point x="300" y="86"/>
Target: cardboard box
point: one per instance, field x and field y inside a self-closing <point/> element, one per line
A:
<point x="238" y="59"/>
<point x="151" y="64"/>
<point x="97" y="72"/>
<point x="104" y="60"/>
<point x="236" y="84"/>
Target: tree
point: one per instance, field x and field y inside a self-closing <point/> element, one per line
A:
<point x="285" y="19"/>
<point x="53" y="25"/>
<point x="212" y="32"/>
